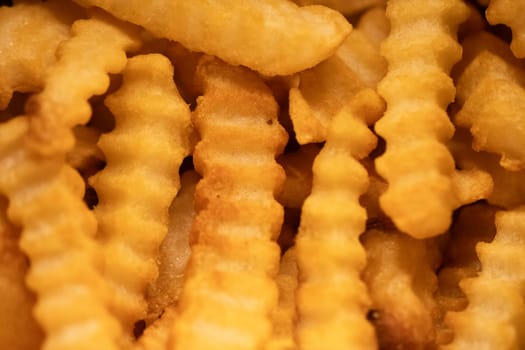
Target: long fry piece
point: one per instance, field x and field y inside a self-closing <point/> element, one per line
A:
<point x="57" y="228"/>
<point x="332" y="300"/>
<point x="97" y="47"/>
<point x="229" y="290"/>
<point x="16" y="302"/>
<point x="495" y="315"/>
<point x="140" y="180"/>
<point x="271" y="36"/>
<point x="420" y="51"/>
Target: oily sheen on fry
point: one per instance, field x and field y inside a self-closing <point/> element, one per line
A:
<point x="45" y="199"/>
<point x="229" y="290"/>
<point x="420" y="50"/>
<point x="274" y="37"/>
<point x="97" y="47"/>
<point x="140" y="180"/>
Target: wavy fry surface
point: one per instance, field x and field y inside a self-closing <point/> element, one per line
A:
<point x="140" y="180"/>
<point x="229" y="291"/>
<point x="332" y="300"/>
<point x="274" y="37"/>
<point x="45" y="199"/>
<point x="420" y="51"/>
<point x="495" y="315"/>
<point x="17" y="302"/>
<point x="97" y="47"/>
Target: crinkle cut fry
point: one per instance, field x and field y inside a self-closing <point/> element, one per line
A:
<point x="401" y="281"/>
<point x="17" y="302"/>
<point x="140" y="180"/>
<point x="30" y="32"/>
<point x="495" y="315"/>
<point x="273" y="37"/>
<point x="230" y="290"/>
<point x="332" y="300"/>
<point x="420" y="51"/>
<point x="510" y="13"/>
<point x="57" y="235"/>
<point x="97" y="47"/>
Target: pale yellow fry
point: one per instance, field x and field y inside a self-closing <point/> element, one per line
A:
<point x="420" y="50"/>
<point x="45" y="199"/>
<point x="496" y="108"/>
<point x="31" y="32"/>
<point x="510" y="13"/>
<point x="332" y="301"/>
<point x="18" y="328"/>
<point x="284" y="315"/>
<point x="155" y="336"/>
<point x="140" y="180"/>
<point x="96" y="48"/>
<point x="274" y="37"/>
<point x="175" y="250"/>
<point x="374" y="25"/>
<point x="495" y="315"/>
<point x="346" y="7"/>
<point x="473" y="224"/>
<point x="401" y="281"/>
<point x="325" y="89"/>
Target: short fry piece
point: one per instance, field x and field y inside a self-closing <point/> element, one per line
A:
<point x="274" y="37"/>
<point x="45" y="199"/>
<point x="510" y="12"/>
<point x="420" y="50"/>
<point x="30" y="32"/>
<point x="140" y="180"/>
<point x="229" y="291"/>
<point x="332" y="300"/>
<point x="96" y="48"/>
<point x="174" y="251"/>
<point x="495" y="315"/>
<point x="18" y="328"/>
<point x="401" y="281"/>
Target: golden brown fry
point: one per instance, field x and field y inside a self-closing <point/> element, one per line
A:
<point x="18" y="328"/>
<point x="495" y="315"/>
<point x="174" y="251"/>
<point x="86" y="156"/>
<point x="274" y="37"/>
<point x="472" y="185"/>
<point x="155" y="336"/>
<point x="510" y="13"/>
<point x="420" y="50"/>
<point x="508" y="186"/>
<point x="284" y="315"/>
<point x="298" y="168"/>
<point x="474" y="223"/>
<point x="229" y="290"/>
<point x="31" y="32"/>
<point x="96" y="48"/>
<point x="140" y="180"/>
<point x="346" y="7"/>
<point x="401" y="281"/>
<point x="57" y="235"/>
<point x="332" y="301"/>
